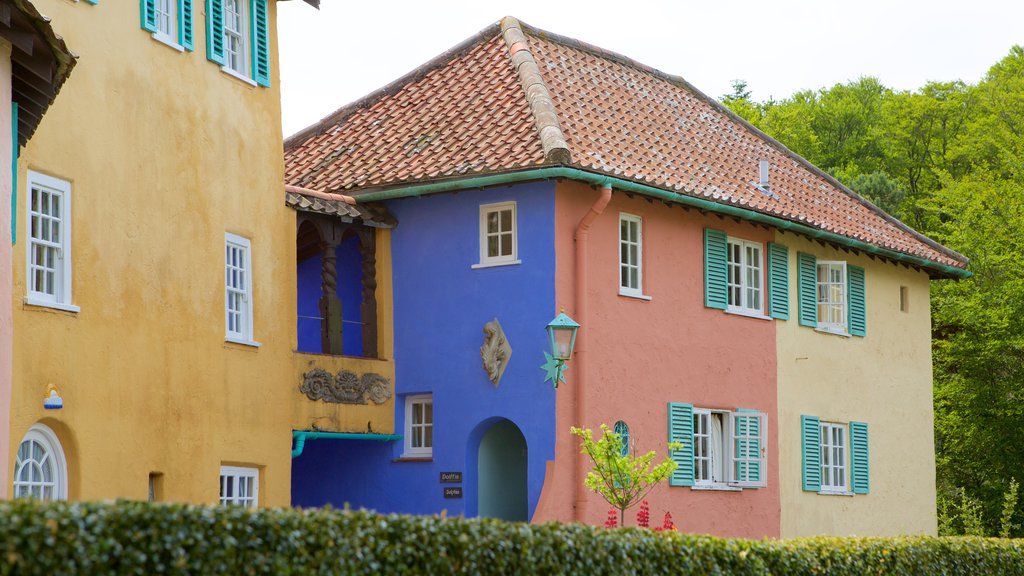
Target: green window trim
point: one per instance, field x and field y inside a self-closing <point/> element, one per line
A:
<point x="147" y="15"/>
<point x="810" y="443"/>
<point x="15" y="149"/>
<point x="716" y="269"/>
<point x="807" y="288"/>
<point x="680" y="429"/>
<point x="215" y="32"/>
<point x="778" y="281"/>
<point x="260" y="34"/>
<point x="856" y="309"/>
<point x="185" y="34"/>
<point x="859" y="460"/>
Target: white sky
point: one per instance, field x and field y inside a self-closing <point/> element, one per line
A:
<point x="350" y="48"/>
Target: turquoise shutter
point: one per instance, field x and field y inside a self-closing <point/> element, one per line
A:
<point x="810" y="438"/>
<point x="716" y="269"/>
<point x="859" y="457"/>
<point x="147" y="15"/>
<point x="215" y="31"/>
<point x="15" y="149"/>
<point x="680" y="429"/>
<point x="857" y="309"/>
<point x="807" y="288"/>
<point x="778" y="281"/>
<point x="260" y="43"/>
<point x="747" y="433"/>
<point x="185" y="36"/>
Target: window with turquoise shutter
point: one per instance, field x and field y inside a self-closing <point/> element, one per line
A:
<point x="859" y="468"/>
<point x="778" y="281"/>
<point x="680" y="429"/>
<point x="748" y="450"/>
<point x="261" y="43"/>
<point x="716" y="269"/>
<point x="807" y="281"/>
<point x="810" y="444"/>
<point x="857" y="309"/>
<point x="215" y="31"/>
<point x="147" y="14"/>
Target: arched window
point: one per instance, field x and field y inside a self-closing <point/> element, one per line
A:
<point x="40" y="470"/>
<point x="623" y="431"/>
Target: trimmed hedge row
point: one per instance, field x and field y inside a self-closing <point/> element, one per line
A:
<point x="144" y="539"/>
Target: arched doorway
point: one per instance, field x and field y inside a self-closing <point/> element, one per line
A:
<point x="501" y="473"/>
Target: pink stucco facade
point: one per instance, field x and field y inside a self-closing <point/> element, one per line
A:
<point x="641" y="354"/>
<point x="6" y="297"/>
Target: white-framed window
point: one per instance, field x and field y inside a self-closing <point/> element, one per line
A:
<point x="729" y="449"/>
<point x="833" y="457"/>
<point x="631" y="255"/>
<point x="419" y="426"/>
<point x="239" y="486"/>
<point x="498" y="236"/>
<point x="745" y="277"/>
<point x="48" y="258"/>
<point x="167" y="21"/>
<point x="236" y="37"/>
<point x="40" y="467"/>
<point x="238" y="289"/>
<point x="832" y="296"/>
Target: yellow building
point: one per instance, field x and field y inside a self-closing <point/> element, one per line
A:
<point x="154" y="276"/>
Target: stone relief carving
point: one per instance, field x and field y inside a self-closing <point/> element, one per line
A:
<point x="345" y="387"/>
<point x="495" y="352"/>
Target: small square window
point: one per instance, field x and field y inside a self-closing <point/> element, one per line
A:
<point x="833" y="457"/>
<point x="745" y="277"/>
<point x="631" y="255"/>
<point x="239" y="486"/>
<point x="498" y="234"/>
<point x="419" y="426"/>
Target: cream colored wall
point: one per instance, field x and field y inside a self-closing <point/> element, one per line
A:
<point x="884" y="379"/>
<point x="165" y="153"/>
<point x="6" y="325"/>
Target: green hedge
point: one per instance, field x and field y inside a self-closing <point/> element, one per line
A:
<point x="144" y="539"/>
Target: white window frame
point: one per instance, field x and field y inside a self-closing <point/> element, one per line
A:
<point x="835" y="458"/>
<point x="243" y="68"/>
<point x="626" y="288"/>
<point x="411" y="451"/>
<point x="236" y="473"/>
<point x="743" y="268"/>
<point x="724" y="451"/>
<point x="501" y="259"/>
<point x="170" y="35"/>
<point x="61" y="189"/>
<point x="53" y="454"/>
<point x="245" y="334"/>
<point x="822" y="287"/>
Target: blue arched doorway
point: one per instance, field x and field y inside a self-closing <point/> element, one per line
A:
<point x="501" y="473"/>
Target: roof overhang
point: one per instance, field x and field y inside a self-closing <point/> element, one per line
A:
<point x="934" y="269"/>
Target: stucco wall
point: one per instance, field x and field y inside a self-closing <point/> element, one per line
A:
<point x="6" y="327"/>
<point x="441" y="305"/>
<point x="884" y="379"/>
<point x="644" y="354"/>
<point x="165" y="153"/>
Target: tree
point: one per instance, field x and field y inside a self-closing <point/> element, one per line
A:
<point x="618" y="475"/>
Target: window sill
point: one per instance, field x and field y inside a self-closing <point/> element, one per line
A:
<point x="412" y="458"/>
<point x="496" y="264"/>
<point x="242" y="341"/>
<point x="167" y="41"/>
<point x="635" y="295"/>
<point x="832" y="331"/>
<point x="835" y="493"/>
<point x="748" y="313"/>
<point x="238" y="76"/>
<point x="55" y="305"/>
<point x="716" y="488"/>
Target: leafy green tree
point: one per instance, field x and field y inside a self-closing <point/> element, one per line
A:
<point x="621" y="477"/>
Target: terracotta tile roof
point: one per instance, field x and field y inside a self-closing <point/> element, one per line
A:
<point x="307" y="200"/>
<point x="514" y="97"/>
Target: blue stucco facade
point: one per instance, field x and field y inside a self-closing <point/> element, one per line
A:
<point x="441" y="304"/>
<point x="350" y="285"/>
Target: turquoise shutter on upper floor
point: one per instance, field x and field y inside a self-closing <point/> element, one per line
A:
<point x="680" y="429"/>
<point x="215" y="31"/>
<point x="147" y="15"/>
<point x="807" y="288"/>
<point x="859" y="468"/>
<point x="778" y="281"/>
<point x="857" y="309"/>
<point x="185" y="36"/>
<point x="810" y="443"/>
<point x="716" y="269"/>
<point x="261" y="43"/>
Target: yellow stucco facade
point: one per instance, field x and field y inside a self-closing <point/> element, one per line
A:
<point x="883" y="379"/>
<point x="165" y="153"/>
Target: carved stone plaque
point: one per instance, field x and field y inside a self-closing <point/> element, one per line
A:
<point x="345" y="387"/>
<point x="495" y="352"/>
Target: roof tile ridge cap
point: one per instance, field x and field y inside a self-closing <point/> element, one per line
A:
<point x="545" y="117"/>
<point x="318" y="194"/>
<point x="336" y="117"/>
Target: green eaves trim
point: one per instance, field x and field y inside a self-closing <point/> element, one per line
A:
<point x="636" y="187"/>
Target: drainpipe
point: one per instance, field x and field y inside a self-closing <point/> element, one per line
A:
<point x="580" y="355"/>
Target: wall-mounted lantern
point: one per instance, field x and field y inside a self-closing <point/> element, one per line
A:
<point x="562" y="332"/>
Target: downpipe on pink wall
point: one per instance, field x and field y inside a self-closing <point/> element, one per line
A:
<point x="582" y="237"/>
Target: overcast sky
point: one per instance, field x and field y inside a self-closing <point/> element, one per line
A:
<point x="348" y="49"/>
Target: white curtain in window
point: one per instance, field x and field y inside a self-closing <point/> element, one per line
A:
<point x="717" y="457"/>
